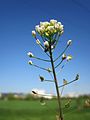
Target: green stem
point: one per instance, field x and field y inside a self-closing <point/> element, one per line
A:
<point x="56" y="84"/>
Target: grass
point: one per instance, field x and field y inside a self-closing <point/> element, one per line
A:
<point x="33" y="110"/>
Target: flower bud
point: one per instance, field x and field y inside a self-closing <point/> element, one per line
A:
<point x="34" y="92"/>
<point x="49" y="70"/>
<point x="57" y="26"/>
<point x="69" y="57"/>
<point x="37" y="27"/>
<point x="33" y="33"/>
<point x="52" y="47"/>
<point x="52" y="21"/>
<point x="45" y="24"/>
<point x="65" y="82"/>
<point x="61" y="27"/>
<point x="61" y="32"/>
<point x="46" y="44"/>
<point x="47" y="34"/>
<point x="77" y="77"/>
<point x="30" y="54"/>
<point x="63" y="57"/>
<point x="59" y="23"/>
<point x="41" y="78"/>
<point x="30" y="62"/>
<point x="69" y="42"/>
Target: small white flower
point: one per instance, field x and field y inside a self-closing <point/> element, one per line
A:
<point x="46" y="44"/>
<point x="30" y="54"/>
<point x="69" y="42"/>
<point x="30" y="62"/>
<point x="59" y="23"/>
<point x="33" y="33"/>
<point x="52" y="21"/>
<point x="50" y="28"/>
<point x="52" y="47"/>
<point x="36" y="27"/>
<point x="57" y="26"/>
<point x="38" y="41"/>
<point x="69" y="57"/>
<point x="45" y="24"/>
<point x="61" y="28"/>
<point x="40" y="29"/>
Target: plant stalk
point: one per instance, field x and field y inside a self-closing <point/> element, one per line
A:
<point x="57" y="89"/>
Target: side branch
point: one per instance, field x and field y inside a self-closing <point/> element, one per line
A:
<point x="67" y="83"/>
<point x="58" y="64"/>
<point x="61" y="54"/>
<point x="42" y="68"/>
<point x="42" y="59"/>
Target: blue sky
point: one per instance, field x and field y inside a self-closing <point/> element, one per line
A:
<point x="18" y="18"/>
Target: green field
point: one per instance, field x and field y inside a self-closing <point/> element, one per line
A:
<point x="33" y="110"/>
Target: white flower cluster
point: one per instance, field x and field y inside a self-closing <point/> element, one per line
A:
<point x="48" y="29"/>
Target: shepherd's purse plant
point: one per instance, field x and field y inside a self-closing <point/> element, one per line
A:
<point x="50" y="33"/>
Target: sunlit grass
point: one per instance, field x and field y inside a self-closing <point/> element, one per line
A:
<point x="33" y="110"/>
